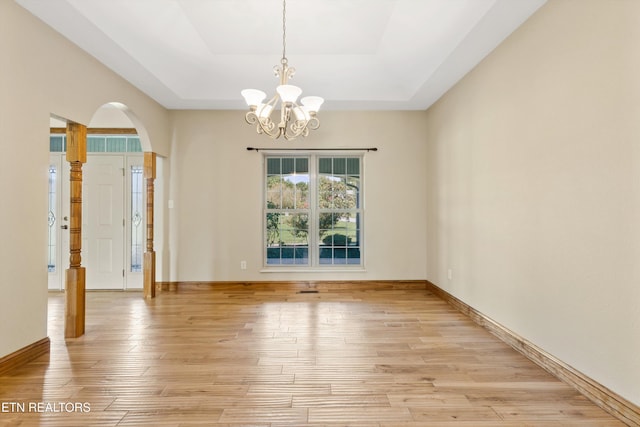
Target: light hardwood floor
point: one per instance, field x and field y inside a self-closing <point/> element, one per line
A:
<point x="261" y="356"/>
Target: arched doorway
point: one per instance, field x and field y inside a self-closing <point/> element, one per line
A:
<point x="113" y="208"/>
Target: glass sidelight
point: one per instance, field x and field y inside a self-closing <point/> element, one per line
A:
<point x="137" y="223"/>
<point x="52" y="220"/>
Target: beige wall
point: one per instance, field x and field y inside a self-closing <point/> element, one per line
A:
<point x="43" y="74"/>
<point x="217" y="193"/>
<point x="527" y="173"/>
<point x="534" y="187"/>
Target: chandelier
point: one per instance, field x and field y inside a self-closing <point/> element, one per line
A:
<point x="295" y="119"/>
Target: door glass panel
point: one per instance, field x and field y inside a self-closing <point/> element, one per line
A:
<point x="137" y="225"/>
<point x="52" y="220"/>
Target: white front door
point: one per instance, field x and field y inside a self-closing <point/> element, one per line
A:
<point x="112" y="216"/>
<point x="103" y="221"/>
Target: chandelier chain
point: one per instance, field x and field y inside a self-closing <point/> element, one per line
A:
<point x="284" y="31"/>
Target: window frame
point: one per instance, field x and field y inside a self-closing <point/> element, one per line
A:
<point x="313" y="238"/>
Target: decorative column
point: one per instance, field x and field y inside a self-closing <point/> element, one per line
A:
<point x="149" y="273"/>
<point x="74" y="319"/>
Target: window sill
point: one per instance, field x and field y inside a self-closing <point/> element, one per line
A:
<point x="358" y="269"/>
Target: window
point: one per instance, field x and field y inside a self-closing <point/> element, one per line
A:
<point x="313" y="211"/>
<point x="339" y="222"/>
<point x="100" y="144"/>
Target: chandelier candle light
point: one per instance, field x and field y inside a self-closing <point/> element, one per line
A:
<point x="295" y="120"/>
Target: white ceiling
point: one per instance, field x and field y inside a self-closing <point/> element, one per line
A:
<point x="357" y="54"/>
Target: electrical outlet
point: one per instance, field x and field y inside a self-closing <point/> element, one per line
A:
<point x="243" y="265"/>
<point x="449" y="274"/>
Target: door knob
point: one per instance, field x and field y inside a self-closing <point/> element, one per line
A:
<point x="64" y="227"/>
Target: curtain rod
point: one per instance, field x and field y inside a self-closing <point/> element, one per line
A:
<point x="311" y="149"/>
